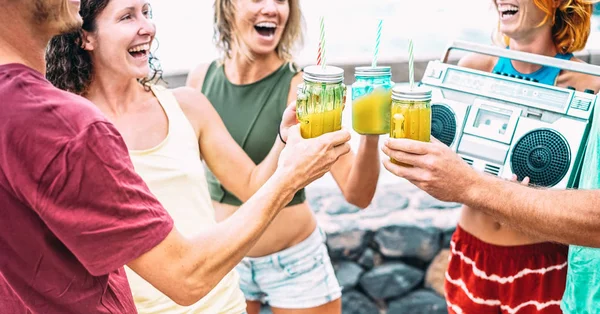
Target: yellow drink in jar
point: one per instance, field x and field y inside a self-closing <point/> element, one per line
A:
<point x="410" y="114"/>
<point x="371" y="112"/>
<point x="319" y="123"/>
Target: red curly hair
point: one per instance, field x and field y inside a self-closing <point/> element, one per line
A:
<point x="570" y="21"/>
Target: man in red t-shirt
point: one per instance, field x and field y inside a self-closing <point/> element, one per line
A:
<point x="73" y="210"/>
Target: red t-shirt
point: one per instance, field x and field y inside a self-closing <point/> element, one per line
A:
<point x="72" y="209"/>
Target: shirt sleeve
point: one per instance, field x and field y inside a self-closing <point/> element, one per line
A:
<point x="90" y="197"/>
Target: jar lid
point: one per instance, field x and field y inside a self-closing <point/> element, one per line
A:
<point x="401" y="92"/>
<point x="318" y="74"/>
<point x="373" y="71"/>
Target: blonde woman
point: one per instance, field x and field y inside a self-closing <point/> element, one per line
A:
<point x="249" y="87"/>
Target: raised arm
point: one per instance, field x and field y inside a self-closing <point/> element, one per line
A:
<point x="570" y="217"/>
<point x="223" y="156"/>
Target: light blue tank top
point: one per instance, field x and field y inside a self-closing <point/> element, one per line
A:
<point x="545" y="75"/>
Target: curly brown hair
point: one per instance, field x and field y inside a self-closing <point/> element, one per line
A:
<point x="69" y="66"/>
<point x="571" y="22"/>
<point x="224" y="32"/>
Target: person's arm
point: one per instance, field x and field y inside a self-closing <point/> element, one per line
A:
<point x="224" y="157"/>
<point x="357" y="174"/>
<point x="565" y="216"/>
<point x="90" y="197"/>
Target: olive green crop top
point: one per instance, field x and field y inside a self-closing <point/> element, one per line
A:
<point x="252" y="114"/>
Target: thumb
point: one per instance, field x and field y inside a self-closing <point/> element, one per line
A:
<point x="294" y="133"/>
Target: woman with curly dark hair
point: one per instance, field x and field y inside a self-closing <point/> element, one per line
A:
<point x="495" y="268"/>
<point x="167" y="133"/>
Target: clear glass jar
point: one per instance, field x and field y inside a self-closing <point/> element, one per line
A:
<point x="371" y="99"/>
<point x="411" y="113"/>
<point x="320" y="100"/>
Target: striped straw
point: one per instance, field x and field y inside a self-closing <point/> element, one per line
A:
<point x="377" y="41"/>
<point x="321" y="60"/>
<point x="411" y="65"/>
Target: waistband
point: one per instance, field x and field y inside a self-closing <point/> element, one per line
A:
<point x="463" y="238"/>
<point x="307" y="247"/>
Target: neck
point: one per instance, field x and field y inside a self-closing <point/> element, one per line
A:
<point x="240" y="70"/>
<point x="21" y="42"/>
<point x="114" y="97"/>
<point x="540" y="43"/>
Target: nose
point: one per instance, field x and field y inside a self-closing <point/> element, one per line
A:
<point x="147" y="28"/>
<point x="269" y="8"/>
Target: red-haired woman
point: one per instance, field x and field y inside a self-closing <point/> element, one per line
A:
<point x="495" y="268"/>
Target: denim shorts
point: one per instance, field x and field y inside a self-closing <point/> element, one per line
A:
<point x="298" y="277"/>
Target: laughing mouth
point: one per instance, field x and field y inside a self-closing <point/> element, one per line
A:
<point x="507" y="10"/>
<point x="266" y="29"/>
<point x="139" y="51"/>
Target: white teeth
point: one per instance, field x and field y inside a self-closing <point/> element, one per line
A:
<point x="267" y="25"/>
<point x="144" y="47"/>
<point x="503" y="8"/>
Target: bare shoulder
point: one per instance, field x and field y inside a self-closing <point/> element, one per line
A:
<point x="580" y="81"/>
<point x="297" y="79"/>
<point x="195" y="78"/>
<point x="478" y="62"/>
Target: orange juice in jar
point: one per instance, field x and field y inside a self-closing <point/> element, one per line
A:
<point x="410" y="115"/>
<point x="320" y="100"/>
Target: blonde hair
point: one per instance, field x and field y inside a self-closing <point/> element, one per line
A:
<point x="570" y="21"/>
<point x="224" y="32"/>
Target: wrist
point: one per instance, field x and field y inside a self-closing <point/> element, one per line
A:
<point x="282" y="134"/>
<point x="474" y="189"/>
<point x="285" y="183"/>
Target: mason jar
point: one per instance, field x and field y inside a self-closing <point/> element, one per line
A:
<point x="410" y="114"/>
<point x="320" y="101"/>
<point x="371" y="99"/>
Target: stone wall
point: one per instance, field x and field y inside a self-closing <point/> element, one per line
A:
<point x="390" y="257"/>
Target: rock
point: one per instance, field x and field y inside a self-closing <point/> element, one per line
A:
<point x="370" y="258"/>
<point x="408" y="241"/>
<point x="390" y="280"/>
<point x="447" y="236"/>
<point x="348" y="245"/>
<point x="391" y="201"/>
<point x="348" y="274"/>
<point x="436" y="272"/>
<point x="354" y="302"/>
<point x="429" y="202"/>
<point x="418" y="302"/>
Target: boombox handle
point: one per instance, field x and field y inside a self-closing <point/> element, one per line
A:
<point x="522" y="56"/>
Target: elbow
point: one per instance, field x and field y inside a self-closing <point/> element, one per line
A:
<point x="358" y="200"/>
<point x="190" y="293"/>
<point x="191" y="287"/>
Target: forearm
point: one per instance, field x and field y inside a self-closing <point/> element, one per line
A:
<point x="216" y="251"/>
<point x="364" y="173"/>
<point x="565" y="216"/>
<point x="263" y="171"/>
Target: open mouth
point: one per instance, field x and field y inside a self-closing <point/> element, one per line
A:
<point x="266" y="29"/>
<point x="139" y="51"/>
<point x="507" y="10"/>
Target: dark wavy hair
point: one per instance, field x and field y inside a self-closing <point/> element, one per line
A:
<point x="69" y="67"/>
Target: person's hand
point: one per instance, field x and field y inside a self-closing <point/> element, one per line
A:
<point x="287" y="120"/>
<point x="433" y="167"/>
<point x="305" y="160"/>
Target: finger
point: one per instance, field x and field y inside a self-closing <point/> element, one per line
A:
<point x="341" y="150"/>
<point x="409" y="173"/>
<point x="294" y="133"/>
<point x="408" y="146"/>
<point x="435" y="140"/>
<point x="525" y="181"/>
<point x="400" y="156"/>
<point x="514" y="178"/>
<point x="336" y="138"/>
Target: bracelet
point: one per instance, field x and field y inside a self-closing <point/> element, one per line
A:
<point x="279" y="133"/>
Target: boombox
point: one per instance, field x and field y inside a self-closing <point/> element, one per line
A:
<point x="503" y="124"/>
